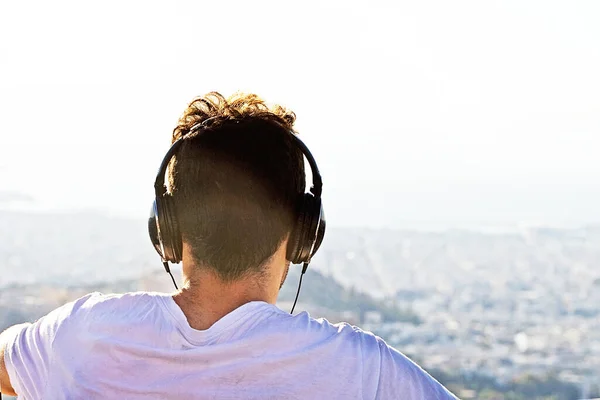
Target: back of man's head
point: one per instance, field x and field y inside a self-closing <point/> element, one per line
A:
<point x="235" y="182"/>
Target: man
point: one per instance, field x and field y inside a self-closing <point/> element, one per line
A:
<point x="236" y="185"/>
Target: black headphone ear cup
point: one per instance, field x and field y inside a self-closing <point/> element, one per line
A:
<point x="320" y="231"/>
<point x="173" y="237"/>
<point x="153" y="230"/>
<point x="302" y="241"/>
<point x="163" y="227"/>
<point x="294" y="242"/>
<point x="303" y="250"/>
<point x="168" y="229"/>
<point x="311" y="224"/>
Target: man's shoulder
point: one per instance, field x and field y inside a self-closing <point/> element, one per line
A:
<point x="342" y="331"/>
<point x="97" y="301"/>
<point x="97" y="308"/>
<point x="395" y="373"/>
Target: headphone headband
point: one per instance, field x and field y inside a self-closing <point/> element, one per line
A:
<point x="160" y="188"/>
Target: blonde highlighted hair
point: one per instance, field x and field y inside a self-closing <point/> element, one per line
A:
<point x="214" y="109"/>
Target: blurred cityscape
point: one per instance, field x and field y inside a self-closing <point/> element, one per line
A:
<point x="514" y="307"/>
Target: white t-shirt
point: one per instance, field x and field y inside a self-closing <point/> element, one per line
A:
<point x="140" y="346"/>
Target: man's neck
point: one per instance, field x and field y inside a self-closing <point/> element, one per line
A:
<point x="205" y="298"/>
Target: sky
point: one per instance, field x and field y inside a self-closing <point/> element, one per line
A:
<point x="463" y="112"/>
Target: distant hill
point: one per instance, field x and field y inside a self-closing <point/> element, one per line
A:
<point x="324" y="291"/>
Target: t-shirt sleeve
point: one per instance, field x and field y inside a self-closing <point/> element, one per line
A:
<point x="28" y="357"/>
<point x="401" y="378"/>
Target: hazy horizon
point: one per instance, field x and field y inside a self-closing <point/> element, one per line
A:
<point x="517" y="226"/>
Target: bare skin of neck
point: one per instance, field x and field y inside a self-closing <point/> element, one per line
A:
<point x="204" y="298"/>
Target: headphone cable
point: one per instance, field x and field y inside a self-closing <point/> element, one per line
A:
<point x="299" y="286"/>
<point x="166" y="265"/>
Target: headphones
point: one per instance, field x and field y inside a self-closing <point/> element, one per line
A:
<point x="305" y="239"/>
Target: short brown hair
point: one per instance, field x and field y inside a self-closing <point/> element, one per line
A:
<point x="235" y="182"/>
